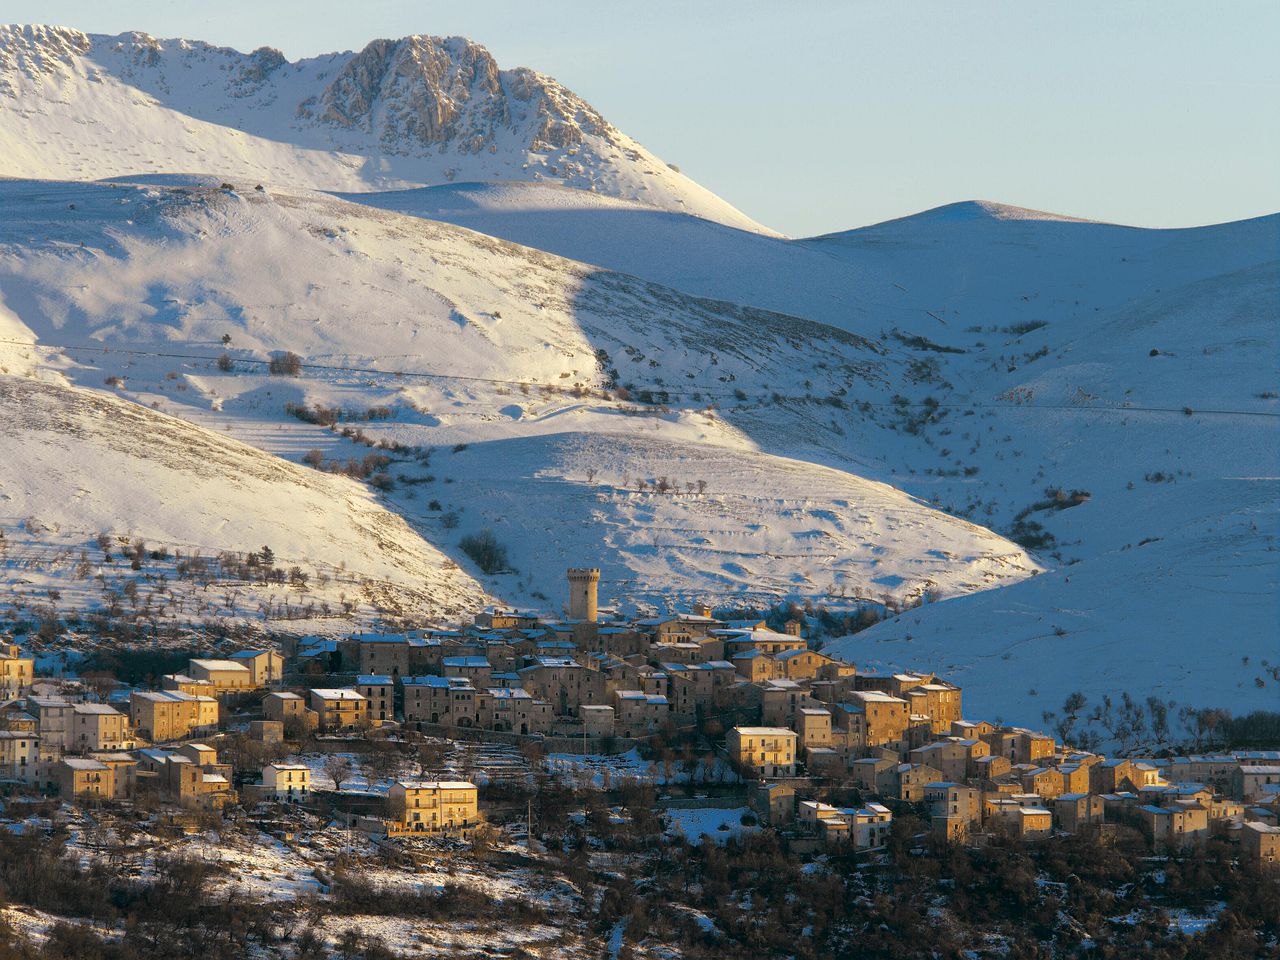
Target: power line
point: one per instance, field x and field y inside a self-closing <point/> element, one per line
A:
<point x="656" y="390"/>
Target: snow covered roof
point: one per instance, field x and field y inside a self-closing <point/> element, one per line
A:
<point x="764" y="732"/>
<point x="100" y="709"/>
<point x="457" y="683"/>
<point x="157" y="696"/>
<point x="337" y="694"/>
<point x="374" y="680"/>
<point x="471" y="663"/>
<point x="82" y="763"/>
<point x="553" y="662"/>
<point x="509" y="693"/>
<point x="50" y="701"/>
<point x="221" y="665"/>
<point x="876" y="696"/>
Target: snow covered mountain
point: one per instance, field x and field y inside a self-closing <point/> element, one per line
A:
<point x="414" y="111"/>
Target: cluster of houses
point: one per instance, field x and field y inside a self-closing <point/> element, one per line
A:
<point x="55" y="740"/>
<point x="795" y="723"/>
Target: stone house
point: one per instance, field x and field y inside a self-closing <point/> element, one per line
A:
<point x="382" y="654"/>
<point x="447" y="700"/>
<point x="780" y="699"/>
<point x="288" y="707"/>
<point x="286" y="782"/>
<point x="380" y="691"/>
<point x="1260" y="843"/>
<point x="774" y="802"/>
<point x="97" y="726"/>
<point x="597" y="719"/>
<point x="802" y="664"/>
<point x="637" y="713"/>
<point x="813" y="726"/>
<point x="513" y="709"/>
<point x="765" y="641"/>
<point x="1174" y="827"/>
<point x="913" y="778"/>
<point x="161" y="715"/>
<point x="477" y="669"/>
<point x="766" y="751"/>
<point x="954" y="800"/>
<point x="884" y="717"/>
<point x="124" y="773"/>
<point x="940" y="702"/>
<point x="755" y="666"/>
<point x="563" y="682"/>
<point x="340" y="708"/>
<point x="85" y="779"/>
<point x="432" y="807"/>
<point x="55" y="719"/>
<point x="265" y="666"/>
<point x="1076" y="810"/>
<point x="181" y="683"/>
<point x="1249" y="781"/>
<point x="225" y="676"/>
<point x="878" y="775"/>
<point x="19" y="754"/>
<point x="1044" y="782"/>
<point x="17" y="672"/>
<point x="991" y="767"/>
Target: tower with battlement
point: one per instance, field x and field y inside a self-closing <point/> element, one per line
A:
<point x="583" y="583"/>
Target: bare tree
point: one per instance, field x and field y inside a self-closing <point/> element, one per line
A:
<point x="339" y="769"/>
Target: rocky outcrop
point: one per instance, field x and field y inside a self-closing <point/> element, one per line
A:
<point x="37" y="51"/>
<point x="426" y="91"/>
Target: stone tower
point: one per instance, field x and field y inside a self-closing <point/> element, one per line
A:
<point x="583" y="582"/>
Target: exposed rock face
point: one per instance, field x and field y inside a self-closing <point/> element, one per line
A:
<point x="37" y="51"/>
<point x="424" y="91"/>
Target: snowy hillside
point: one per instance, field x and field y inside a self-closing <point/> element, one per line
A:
<point x="104" y="503"/>
<point x="1034" y="336"/>
<point x="420" y="110"/>
<point x="583" y="415"/>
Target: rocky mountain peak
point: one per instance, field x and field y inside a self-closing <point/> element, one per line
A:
<point x="423" y="91"/>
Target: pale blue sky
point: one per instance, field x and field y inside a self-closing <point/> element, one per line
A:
<point x="816" y="116"/>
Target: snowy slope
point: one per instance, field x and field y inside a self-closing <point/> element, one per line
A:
<point x="1033" y="332"/>
<point x="414" y="111"/>
<point x="79" y="464"/>
<point x="519" y="354"/>
<point x="1189" y="616"/>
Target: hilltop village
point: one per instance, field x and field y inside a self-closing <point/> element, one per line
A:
<point x="754" y="712"/>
